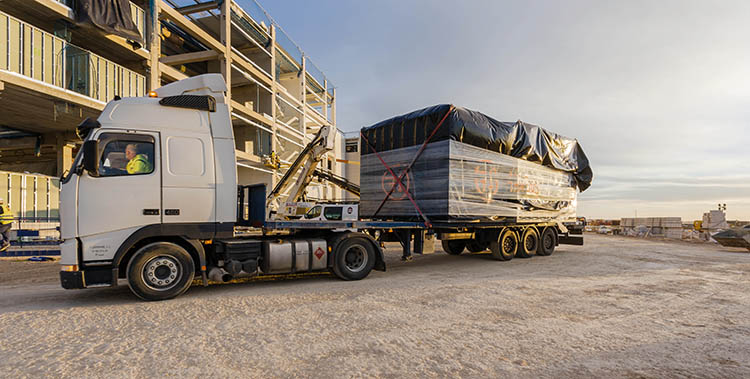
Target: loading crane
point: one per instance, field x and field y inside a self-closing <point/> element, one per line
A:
<point x="280" y="206"/>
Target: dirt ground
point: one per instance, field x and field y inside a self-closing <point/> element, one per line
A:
<point x="18" y="271"/>
<point x="616" y="307"/>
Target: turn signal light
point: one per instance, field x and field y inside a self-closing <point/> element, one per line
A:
<point x="69" y="268"/>
<point x="152" y="94"/>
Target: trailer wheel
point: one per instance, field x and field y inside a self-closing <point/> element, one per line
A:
<point x="453" y="247"/>
<point x="504" y="249"/>
<point x="354" y="259"/>
<point x="160" y="271"/>
<point x="547" y="242"/>
<point x="529" y="243"/>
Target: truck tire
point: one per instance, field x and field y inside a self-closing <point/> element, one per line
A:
<point x="453" y="247"/>
<point x="354" y="259"/>
<point x="547" y="242"/>
<point x="506" y="245"/>
<point x="529" y="243"/>
<point x="160" y="271"/>
<point x="475" y="246"/>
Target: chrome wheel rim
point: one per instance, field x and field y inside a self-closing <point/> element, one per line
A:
<point x="161" y="273"/>
<point x="355" y="258"/>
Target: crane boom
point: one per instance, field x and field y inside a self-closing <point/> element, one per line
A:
<point x="307" y="160"/>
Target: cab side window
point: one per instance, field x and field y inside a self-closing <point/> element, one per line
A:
<point x="333" y="213"/>
<point x="314" y="212"/>
<point x="124" y="157"/>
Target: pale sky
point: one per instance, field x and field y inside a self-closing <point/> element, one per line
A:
<point x="657" y="92"/>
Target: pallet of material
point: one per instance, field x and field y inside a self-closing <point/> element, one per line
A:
<point x="456" y="180"/>
<point x="472" y="167"/>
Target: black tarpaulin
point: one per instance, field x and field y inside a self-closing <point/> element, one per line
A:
<point x="517" y="139"/>
<point x="111" y="16"/>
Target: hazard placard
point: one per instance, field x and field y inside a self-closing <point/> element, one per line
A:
<point x="319" y="252"/>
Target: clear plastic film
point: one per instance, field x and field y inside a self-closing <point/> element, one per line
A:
<point x="454" y="180"/>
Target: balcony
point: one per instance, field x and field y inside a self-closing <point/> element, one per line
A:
<point x="41" y="56"/>
<point x="137" y="14"/>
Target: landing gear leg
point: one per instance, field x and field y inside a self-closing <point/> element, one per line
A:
<point x="405" y="240"/>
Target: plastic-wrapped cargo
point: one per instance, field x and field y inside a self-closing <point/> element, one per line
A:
<point x="467" y="170"/>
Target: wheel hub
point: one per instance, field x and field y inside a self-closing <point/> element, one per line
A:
<point x="508" y="245"/>
<point x="355" y="258"/>
<point x="161" y="273"/>
<point x="530" y="243"/>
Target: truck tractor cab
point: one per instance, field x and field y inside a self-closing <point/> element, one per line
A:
<point x="142" y="162"/>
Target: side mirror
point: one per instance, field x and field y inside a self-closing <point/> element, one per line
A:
<point x="90" y="157"/>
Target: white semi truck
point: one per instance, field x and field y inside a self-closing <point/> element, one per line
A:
<point x="152" y="198"/>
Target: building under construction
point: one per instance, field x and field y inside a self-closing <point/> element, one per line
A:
<point x="56" y="69"/>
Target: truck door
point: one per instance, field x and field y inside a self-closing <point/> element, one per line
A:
<point x="188" y="178"/>
<point x="123" y="196"/>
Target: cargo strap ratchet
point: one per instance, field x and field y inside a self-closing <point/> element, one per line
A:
<point x="397" y="179"/>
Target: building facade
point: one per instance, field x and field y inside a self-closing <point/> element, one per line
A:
<point x="54" y="73"/>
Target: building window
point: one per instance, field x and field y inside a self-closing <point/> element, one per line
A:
<point x="352" y="146"/>
<point x="262" y="145"/>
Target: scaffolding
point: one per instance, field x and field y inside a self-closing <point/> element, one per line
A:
<point x="278" y="97"/>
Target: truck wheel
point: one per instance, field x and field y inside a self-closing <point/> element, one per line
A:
<point x="504" y="249"/>
<point x="547" y="242"/>
<point x="476" y="246"/>
<point x="529" y="243"/>
<point x="453" y="247"/>
<point x="354" y="259"/>
<point x="160" y="271"/>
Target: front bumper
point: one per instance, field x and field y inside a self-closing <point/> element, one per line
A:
<point x="71" y="280"/>
<point x="100" y="276"/>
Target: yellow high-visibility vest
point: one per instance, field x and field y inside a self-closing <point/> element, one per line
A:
<point x="5" y="217"/>
<point x="139" y="165"/>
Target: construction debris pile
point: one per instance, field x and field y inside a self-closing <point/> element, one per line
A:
<point x="668" y="227"/>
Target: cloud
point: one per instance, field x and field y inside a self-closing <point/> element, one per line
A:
<point x="656" y="92"/>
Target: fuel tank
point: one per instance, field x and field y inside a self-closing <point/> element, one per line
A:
<point x="283" y="257"/>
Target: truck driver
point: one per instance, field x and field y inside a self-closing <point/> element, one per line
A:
<point x="137" y="163"/>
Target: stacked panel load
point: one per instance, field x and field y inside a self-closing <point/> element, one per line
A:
<point x="714" y="221"/>
<point x="472" y="167"/>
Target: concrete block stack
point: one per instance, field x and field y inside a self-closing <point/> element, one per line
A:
<point x="671" y="227"/>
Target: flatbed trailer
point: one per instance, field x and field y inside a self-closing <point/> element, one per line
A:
<point x="416" y="232"/>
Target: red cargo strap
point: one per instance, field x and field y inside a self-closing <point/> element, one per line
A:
<point x="406" y="170"/>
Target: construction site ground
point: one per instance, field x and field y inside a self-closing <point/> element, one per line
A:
<point x="618" y="306"/>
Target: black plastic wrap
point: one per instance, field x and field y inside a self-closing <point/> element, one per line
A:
<point x="110" y="16"/>
<point x="517" y="139"/>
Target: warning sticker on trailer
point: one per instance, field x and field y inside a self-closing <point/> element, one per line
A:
<point x="319" y="252"/>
